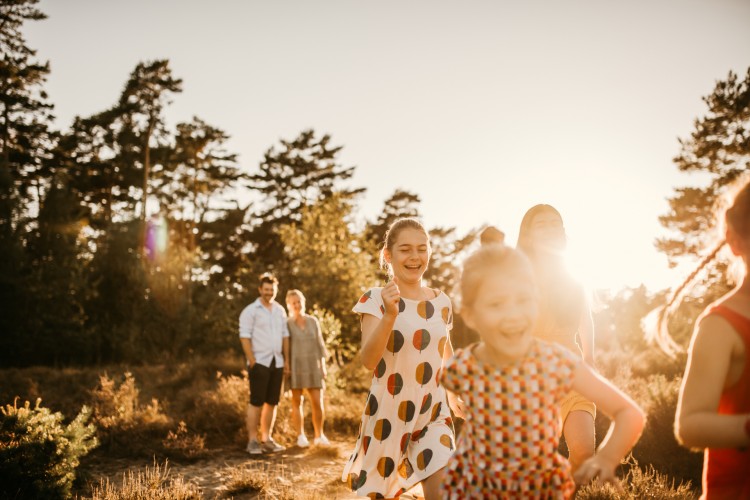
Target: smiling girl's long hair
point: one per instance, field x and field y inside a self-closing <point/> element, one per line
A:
<point x="561" y="295"/>
<point x="736" y="216"/>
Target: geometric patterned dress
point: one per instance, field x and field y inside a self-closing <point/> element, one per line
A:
<point x="508" y="444"/>
<point x="406" y="433"/>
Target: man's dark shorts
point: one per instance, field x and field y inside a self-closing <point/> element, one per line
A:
<point x="265" y="384"/>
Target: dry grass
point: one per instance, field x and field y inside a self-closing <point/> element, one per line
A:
<point x="271" y="481"/>
<point x="153" y="483"/>
<point x="640" y="485"/>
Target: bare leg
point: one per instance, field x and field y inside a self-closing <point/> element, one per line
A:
<point x="297" y="412"/>
<point x="318" y="413"/>
<point x="253" y="417"/>
<point x="580" y="437"/>
<point x="431" y="485"/>
<point x="267" y="417"/>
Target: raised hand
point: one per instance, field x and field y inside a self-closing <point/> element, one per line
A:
<point x="596" y="469"/>
<point x="391" y="296"/>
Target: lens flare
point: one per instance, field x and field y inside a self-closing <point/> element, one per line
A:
<point x="156" y="238"/>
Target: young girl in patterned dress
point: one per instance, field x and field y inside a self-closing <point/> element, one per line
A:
<point x="406" y="434"/>
<point x="512" y="384"/>
<point x="713" y="409"/>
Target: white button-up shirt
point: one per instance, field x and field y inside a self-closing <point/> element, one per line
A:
<point x="265" y="329"/>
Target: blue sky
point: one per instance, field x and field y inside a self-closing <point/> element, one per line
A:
<point x="483" y="108"/>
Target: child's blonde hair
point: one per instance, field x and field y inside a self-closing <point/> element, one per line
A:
<point x="490" y="257"/>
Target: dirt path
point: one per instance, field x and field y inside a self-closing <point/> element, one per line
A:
<point x="312" y="473"/>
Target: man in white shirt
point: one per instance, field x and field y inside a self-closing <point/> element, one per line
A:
<point x="265" y="341"/>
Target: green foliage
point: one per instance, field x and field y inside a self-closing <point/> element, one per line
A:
<point x="720" y="147"/>
<point x="330" y="264"/>
<point x="38" y="454"/>
<point x="330" y="326"/>
<point x="448" y="252"/>
<point x="400" y="204"/>
<point x="299" y="173"/>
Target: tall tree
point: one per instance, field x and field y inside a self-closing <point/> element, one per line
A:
<point x="197" y="171"/>
<point x="25" y="140"/>
<point x="400" y="204"/>
<point x="448" y="250"/>
<point x="329" y="262"/>
<point x="25" y="113"/>
<point x="293" y="176"/>
<point x="146" y="93"/>
<point x="719" y="146"/>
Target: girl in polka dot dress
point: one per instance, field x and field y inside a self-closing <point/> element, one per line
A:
<point x="406" y="434"/>
<point x="512" y="384"/>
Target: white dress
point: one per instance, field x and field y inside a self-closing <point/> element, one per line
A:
<point x="406" y="433"/>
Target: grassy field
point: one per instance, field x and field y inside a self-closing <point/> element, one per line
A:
<point x="177" y="431"/>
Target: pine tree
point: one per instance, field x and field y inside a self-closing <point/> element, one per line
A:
<point x="719" y="146"/>
<point x="296" y="175"/>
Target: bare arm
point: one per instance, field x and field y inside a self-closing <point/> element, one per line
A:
<point x="627" y="424"/>
<point x="698" y="423"/>
<point x="375" y="332"/>
<point x="586" y="333"/>
<point x="455" y="403"/>
<point x="285" y="352"/>
<point x="247" y="348"/>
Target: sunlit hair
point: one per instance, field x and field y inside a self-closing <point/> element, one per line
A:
<point x="391" y="235"/>
<point x="525" y="239"/>
<point x="737" y="219"/>
<point x="479" y="265"/>
<point x="267" y="278"/>
<point x="292" y="293"/>
<point x="562" y="296"/>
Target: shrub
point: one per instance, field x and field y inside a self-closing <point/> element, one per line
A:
<point x="153" y="484"/>
<point x="126" y="426"/>
<point x="220" y="412"/>
<point x="38" y="455"/>
<point x="182" y="444"/>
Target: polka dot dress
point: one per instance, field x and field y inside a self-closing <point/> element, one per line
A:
<point x="406" y="433"/>
<point x="508" y="446"/>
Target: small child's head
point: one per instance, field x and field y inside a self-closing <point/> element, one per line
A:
<point x="499" y="298"/>
<point x="491" y="235"/>
<point x="406" y="249"/>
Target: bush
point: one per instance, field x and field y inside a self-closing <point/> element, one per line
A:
<point x="220" y="412"/>
<point x="184" y="445"/>
<point x="126" y="426"/>
<point x="38" y="455"/>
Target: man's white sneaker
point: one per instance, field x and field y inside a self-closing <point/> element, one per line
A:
<point x="302" y="441"/>
<point x="253" y="447"/>
<point x="322" y="440"/>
